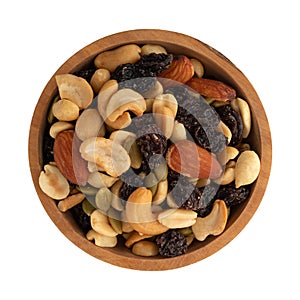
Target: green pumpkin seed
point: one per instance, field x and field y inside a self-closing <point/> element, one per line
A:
<point x="87" y="207"/>
<point x="103" y="199"/>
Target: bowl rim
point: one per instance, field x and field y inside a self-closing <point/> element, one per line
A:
<point x="142" y="36"/>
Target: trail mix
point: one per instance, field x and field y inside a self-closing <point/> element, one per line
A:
<point x="142" y="149"/>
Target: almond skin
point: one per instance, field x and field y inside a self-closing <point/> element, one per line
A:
<point x="180" y="70"/>
<point x="68" y="159"/>
<point x="187" y="158"/>
<point x="212" y="89"/>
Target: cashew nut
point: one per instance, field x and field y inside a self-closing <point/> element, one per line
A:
<point x="58" y="127"/>
<point x="247" y="168"/>
<point x="161" y="192"/>
<point x="243" y="108"/>
<point x="213" y="224"/>
<point x="125" y="100"/>
<point x="139" y="213"/>
<point x="100" y="224"/>
<point x="156" y="90"/>
<point x="178" y="133"/>
<point x="177" y="218"/>
<point x="110" y="156"/>
<point x="75" y="89"/>
<point x="135" y="237"/>
<point x="165" y="100"/>
<point x="152" y="48"/>
<point x="65" y="110"/>
<point x="99" y="78"/>
<point x="102" y="240"/>
<point x="89" y="124"/>
<point x="53" y="183"/>
<point x="111" y="59"/>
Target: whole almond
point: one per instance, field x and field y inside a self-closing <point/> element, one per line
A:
<point x="68" y="158"/>
<point x="180" y="70"/>
<point x="212" y="89"/>
<point x="191" y="160"/>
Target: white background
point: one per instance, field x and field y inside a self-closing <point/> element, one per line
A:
<point x="261" y="38"/>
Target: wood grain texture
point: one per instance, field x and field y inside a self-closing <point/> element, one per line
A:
<point x="215" y="63"/>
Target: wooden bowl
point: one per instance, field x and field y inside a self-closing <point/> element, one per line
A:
<point x="215" y="63"/>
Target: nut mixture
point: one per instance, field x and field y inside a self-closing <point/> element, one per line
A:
<point x="143" y="149"/>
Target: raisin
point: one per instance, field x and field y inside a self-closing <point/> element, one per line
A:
<point x="86" y="74"/>
<point x="232" y="195"/>
<point x="124" y="72"/>
<point x="131" y="182"/>
<point x="48" y="143"/>
<point x="153" y="64"/>
<point x="171" y="243"/>
<point x="233" y="120"/>
<point x="81" y="218"/>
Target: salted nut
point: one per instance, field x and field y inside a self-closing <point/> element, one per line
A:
<point x="247" y="168"/>
<point x="139" y="213"/>
<point x="100" y="224"/>
<point x="74" y="88"/>
<point x="53" y="183"/>
<point x="177" y="218"/>
<point x="102" y="240"/>
<point x="110" y="156"/>
<point x="58" y="127"/>
<point x="125" y="100"/>
<point x="65" y="110"/>
<point x="213" y="224"/>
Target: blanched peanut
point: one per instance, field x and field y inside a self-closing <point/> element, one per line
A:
<point x="99" y="78"/>
<point x="53" y="183"/>
<point x="111" y="59"/>
<point x="65" y="110"/>
<point x="145" y="248"/>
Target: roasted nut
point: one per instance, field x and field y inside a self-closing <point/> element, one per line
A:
<point x="100" y="224"/>
<point x="124" y="138"/>
<point x="121" y="122"/>
<point x="161" y="192"/>
<point x="213" y="224"/>
<point x="100" y="180"/>
<point x="108" y="89"/>
<point x="139" y="213"/>
<point x="116" y="201"/>
<point x="99" y="78"/>
<point x="114" y="219"/>
<point x="227" y="177"/>
<point x="70" y="202"/>
<point x="75" y="89"/>
<point x="242" y="107"/>
<point x="177" y="218"/>
<point x="226" y="131"/>
<point x="198" y="67"/>
<point x="111" y="59"/>
<point x="247" y="168"/>
<point x="65" y="110"/>
<point x="89" y="124"/>
<point x="151" y="48"/>
<point x="53" y="183"/>
<point x="58" y="127"/>
<point x="165" y="100"/>
<point x="135" y="237"/>
<point x="145" y="248"/>
<point x="102" y="240"/>
<point x="179" y="132"/>
<point x="125" y="100"/>
<point x="156" y="90"/>
<point x="110" y="156"/>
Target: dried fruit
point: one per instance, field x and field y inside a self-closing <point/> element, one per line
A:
<point x="171" y="243"/>
<point x="81" y="218"/>
<point x="212" y="89"/>
<point x="232" y="195"/>
<point x="189" y="159"/>
<point x="233" y="120"/>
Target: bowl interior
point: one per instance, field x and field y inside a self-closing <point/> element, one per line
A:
<point x="216" y="65"/>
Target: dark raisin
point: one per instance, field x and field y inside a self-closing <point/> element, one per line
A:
<point x="140" y="85"/>
<point x="153" y="64"/>
<point x="233" y="120"/>
<point x="171" y="243"/>
<point x="131" y="182"/>
<point x="232" y="195"/>
<point x="81" y="218"/>
<point x="48" y="143"/>
<point x="125" y="72"/>
<point x="201" y="200"/>
<point x="86" y="74"/>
